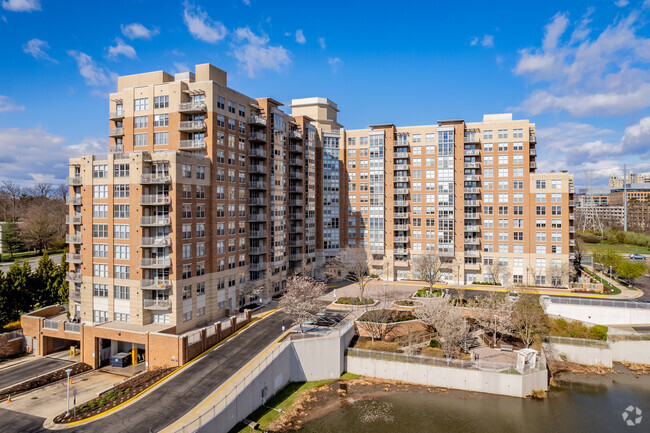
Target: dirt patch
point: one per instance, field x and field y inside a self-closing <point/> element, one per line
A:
<point x="637" y="368"/>
<point x="44" y="379"/>
<point x="560" y="368"/>
<point x="114" y="397"/>
<point x="318" y="402"/>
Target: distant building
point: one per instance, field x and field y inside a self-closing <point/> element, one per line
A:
<point x="598" y="195"/>
<point x="635" y="192"/>
<point x="617" y="181"/>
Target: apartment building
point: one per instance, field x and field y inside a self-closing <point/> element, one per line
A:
<point x="616" y="182"/>
<point x="466" y="192"/>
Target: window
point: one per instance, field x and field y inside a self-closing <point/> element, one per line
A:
<point x="518" y="236"/>
<point x="120" y="211"/>
<point x="540" y="210"/>
<point x="120" y="191"/>
<point x="121" y="170"/>
<point x="518" y="146"/>
<point x="231" y="107"/>
<point x="141" y="104"/>
<point x="187" y="316"/>
<point x="540" y="198"/>
<point x="187" y="271"/>
<point x="161" y="101"/>
<point x="200" y="172"/>
<point x="121" y="292"/>
<point x="160" y="138"/>
<point x="231" y="124"/>
<point x="518" y="197"/>
<point x="540" y="184"/>
<point x="100" y="270"/>
<point x="487" y="159"/>
<point x="503" y="133"/>
<point x="100" y="211"/>
<point x="556" y="198"/>
<point x="140" y="139"/>
<point x="221" y="102"/>
<point x="100" y="316"/>
<point x="487" y="134"/>
<point x="122" y="252"/>
<point x="100" y="251"/>
<point x="186" y="171"/>
<point x="100" y="171"/>
<point x="517" y="210"/>
<point x="121" y="231"/>
<point x="187" y="291"/>
<point x="518" y="184"/>
<point x="121" y="272"/>
<point x="556" y="237"/>
<point x="200" y="249"/>
<point x="518" y="159"/>
<point x="556" y="223"/>
<point x="556" y="210"/>
<point x="121" y="317"/>
<point x="540" y="236"/>
<point x="517" y="133"/>
<point x="503" y="210"/>
<point x="100" y="230"/>
<point x="221" y="120"/>
<point x="140" y="122"/>
<point x="417" y="138"/>
<point x="503" y="159"/>
<point x="488" y="147"/>
<point x="242" y="110"/>
<point x="429" y="137"/>
<point x="556" y="184"/>
<point x="503" y="198"/>
<point x="540" y="223"/>
<point x="187" y="251"/>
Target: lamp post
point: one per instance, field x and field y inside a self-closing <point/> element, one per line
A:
<point x="495" y="331"/>
<point x="67" y="410"/>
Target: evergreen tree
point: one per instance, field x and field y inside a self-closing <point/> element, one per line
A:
<point x="17" y="297"/>
<point x="45" y="288"/>
<point x="4" y="300"/>
<point x="61" y="283"/>
<point x="11" y="237"/>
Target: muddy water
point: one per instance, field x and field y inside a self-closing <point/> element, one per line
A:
<point x="579" y="404"/>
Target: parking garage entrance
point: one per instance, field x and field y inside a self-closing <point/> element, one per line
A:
<point x="108" y="348"/>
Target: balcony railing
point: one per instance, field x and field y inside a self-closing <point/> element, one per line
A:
<point x="73" y="181"/>
<point x="152" y="178"/>
<point x="532" y="138"/>
<point x="472" y="178"/>
<point x="257" y="234"/>
<point x="295" y="175"/>
<point x="152" y="242"/>
<point x="295" y="257"/>
<point x="295" y="161"/>
<point x="401" y="227"/>
<point x="155" y="199"/>
<point x="257" y="153"/>
<point x="157" y="304"/>
<point x="295" y="229"/>
<point x="296" y="216"/>
<point x="155" y="221"/>
<point x="295" y="202"/>
<point x="400" y="251"/>
<point x="256" y="201"/>
<point x="116" y="132"/>
<point x="257" y="120"/>
<point x="191" y="144"/>
<point x="533" y="164"/>
<point x="260" y="266"/>
<point x="73" y="200"/>
<point x="533" y="152"/>
<point x="401" y="178"/>
<point x="472" y="165"/>
<point x="296" y="242"/>
<point x="192" y="107"/>
<point x="472" y="152"/>
<point x="191" y="125"/>
<point x="445" y="252"/>
<point x="73" y="219"/>
<point x="472" y="216"/>
<point x="257" y="136"/>
<point x="401" y="155"/>
<point x="295" y="134"/>
<point x="155" y="284"/>
<point x="472" y="241"/>
<point x="257" y="185"/>
<point x="401" y="191"/>
<point x="473" y="138"/>
<point x="472" y="190"/>
<point x="402" y="143"/>
<point x="572" y="242"/>
<point x="74" y="295"/>
<point x="401" y="214"/>
<point x="472" y="253"/>
<point x="260" y="218"/>
<point x="296" y="188"/>
<point x="115" y="115"/>
<point x="73" y="277"/>
<point x="571" y="216"/>
<point x="73" y="258"/>
<point x="256" y="168"/>
<point x="155" y="263"/>
<point x="472" y="203"/>
<point x="473" y="229"/>
<point x="257" y="250"/>
<point x="401" y="167"/>
<point x="401" y="239"/>
<point x="572" y="229"/>
<point x="73" y="239"/>
<point x="297" y="148"/>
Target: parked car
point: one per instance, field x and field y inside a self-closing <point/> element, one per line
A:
<point x="637" y="257"/>
<point x="121" y="359"/>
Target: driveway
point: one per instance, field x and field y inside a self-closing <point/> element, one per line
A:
<point x="643" y="284"/>
<point x="176" y="396"/>
<point x="33" y="262"/>
<point x="27" y="370"/>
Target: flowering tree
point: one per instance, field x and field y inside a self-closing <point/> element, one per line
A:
<point x="300" y="299"/>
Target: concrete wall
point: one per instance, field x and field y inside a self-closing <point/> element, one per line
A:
<point x="515" y="385"/>
<point x="637" y="352"/>
<point x="11" y="347"/>
<point x="599" y="315"/>
<point x="600" y="356"/>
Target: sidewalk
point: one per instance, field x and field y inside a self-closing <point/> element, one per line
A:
<point x="626" y="292"/>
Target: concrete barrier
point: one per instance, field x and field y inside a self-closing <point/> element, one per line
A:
<point x="602" y="312"/>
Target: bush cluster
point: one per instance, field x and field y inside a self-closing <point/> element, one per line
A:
<point x="354" y="301"/>
<point x="574" y="329"/>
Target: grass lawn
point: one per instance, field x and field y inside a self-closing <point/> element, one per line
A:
<point x="283" y="400"/>
<point x="619" y="248"/>
<point x="6" y="257"/>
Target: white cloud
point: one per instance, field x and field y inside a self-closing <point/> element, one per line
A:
<point x="36" y="48"/>
<point x="6" y="105"/>
<point x="138" y="31"/>
<point x="247" y="2"/>
<point x="486" y="41"/>
<point x="605" y="75"/>
<point x="93" y="74"/>
<point x="121" y="48"/>
<point x="321" y="42"/>
<point x="180" y="67"/>
<point x="335" y="63"/>
<point x="621" y="3"/>
<point x="35" y="155"/>
<point x="637" y="137"/>
<point x="21" y="5"/>
<point x="255" y="54"/>
<point x="201" y="26"/>
<point x="300" y="37"/>
<point x="177" y="52"/>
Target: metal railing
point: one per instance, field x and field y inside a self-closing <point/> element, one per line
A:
<point x="50" y="324"/>
<point x="577" y="342"/>
<point x="14" y="335"/>
<point x="73" y="219"/>
<point x="160" y="241"/>
<point x="73" y="181"/>
<point x="257" y="136"/>
<point x="73" y="200"/>
<point x="155" y="178"/>
<point x="165" y="263"/>
<point x="192" y="106"/>
<point x="257" y="120"/>
<point x="257" y="185"/>
<point x="155" y="284"/>
<point x="598" y="302"/>
<point x="191" y="144"/>
<point x="73" y="258"/>
<point x="156" y="304"/>
<point x="261" y="153"/>
<point x="72" y="327"/>
<point x="73" y="239"/>
<point x="191" y="124"/>
<point x="116" y="132"/>
<point x="115" y="115"/>
<point x="155" y="221"/>
<point x="155" y="199"/>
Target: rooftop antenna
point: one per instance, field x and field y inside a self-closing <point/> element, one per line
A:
<point x="591" y="219"/>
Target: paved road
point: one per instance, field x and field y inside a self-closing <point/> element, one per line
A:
<point x="27" y="370"/>
<point x="33" y="262"/>
<point x="178" y="395"/>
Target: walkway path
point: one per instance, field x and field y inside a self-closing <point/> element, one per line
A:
<point x="28" y="370"/>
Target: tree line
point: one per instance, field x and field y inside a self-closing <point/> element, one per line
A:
<point x="23" y="289"/>
<point x="34" y="217"/>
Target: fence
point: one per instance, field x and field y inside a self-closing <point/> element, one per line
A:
<point x="505" y="367"/>
<point x="14" y="335"/>
<point x="599" y="302"/>
<point x="72" y="327"/>
<point x="194" y="338"/>
<point x="50" y="324"/>
<point x="584" y="342"/>
<point x="215" y="409"/>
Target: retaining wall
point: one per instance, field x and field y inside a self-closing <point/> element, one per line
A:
<point x="618" y="349"/>
<point x="599" y="315"/>
<point x="596" y="356"/>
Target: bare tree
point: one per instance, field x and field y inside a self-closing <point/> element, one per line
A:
<point x="449" y="324"/>
<point x="42" y="190"/>
<point x="14" y="192"/>
<point x="495" y="304"/>
<point x="428" y="269"/>
<point x="39" y="227"/>
<point x="530" y="322"/>
<point x="352" y="265"/>
<point x="300" y="299"/>
<point x="499" y="272"/>
<point x="251" y="291"/>
<point x="378" y="323"/>
<point x="61" y="192"/>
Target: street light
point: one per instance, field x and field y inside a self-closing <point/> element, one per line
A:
<point x="495" y="331"/>
<point x="67" y="411"/>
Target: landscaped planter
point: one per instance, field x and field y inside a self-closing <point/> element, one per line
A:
<point x="406" y="305"/>
<point x="353" y="306"/>
<point x="427" y="294"/>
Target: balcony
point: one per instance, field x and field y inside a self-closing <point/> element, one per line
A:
<point x="295" y="134"/>
<point x="116" y="132"/>
<point x="295" y="161"/>
<point x="572" y="242"/>
<point x="297" y="148"/>
<point x="154" y="242"/>
<point x="400" y="215"/>
<point x="154" y="199"/>
<point x="533" y="164"/>
<point x="401" y="239"/>
<point x="400" y="203"/>
<point x="532" y="138"/>
<point x="155" y="263"/>
<point x="296" y="189"/>
<point x="192" y="107"/>
<point x="401" y="191"/>
<point x="155" y="284"/>
<point x="472" y="165"/>
<point x="401" y="155"/>
<point x="155" y="221"/>
<point x="152" y="178"/>
<point x="260" y="266"/>
<point x="472" y="178"/>
<point x="73" y="277"/>
<point x="73" y="181"/>
<point x="116" y="115"/>
<point x="472" y="216"/>
<point x="117" y="149"/>
<point x="572" y="203"/>
<point x="257" y="250"/>
<point x="400" y="251"/>
<point x="472" y="138"/>
<point x="472" y="152"/>
<point x="257" y="168"/>
<point x="73" y="219"/>
<point x="191" y="144"/>
<point x="257" y="120"/>
<point x="533" y="152"/>
<point x="472" y="266"/>
<point x="157" y="304"/>
<point x="296" y="202"/>
<point x="571" y="216"/>
<point x="257" y="185"/>
<point x="192" y="126"/>
<point x="296" y="216"/>
<point x="401" y="166"/>
<point x="295" y="257"/>
<point x="257" y="218"/>
<point x="73" y="239"/>
<point x="400" y="227"/>
<point x="572" y="229"/>
<point x="296" y="243"/>
<point x="472" y="241"/>
<point x="256" y="234"/>
<point x="402" y="143"/>
<point x="473" y="229"/>
<point x="295" y="229"/>
<point x="73" y="200"/>
<point x="257" y="201"/>
<point x="472" y="203"/>
<point x="401" y="178"/>
<point x="401" y="263"/>
<point x="472" y="190"/>
<point x="257" y="136"/>
<point x="296" y="175"/>
<point x="73" y="258"/>
<point x="257" y="153"/>
<point x="472" y="253"/>
<point x="74" y="295"/>
<point x="446" y="252"/>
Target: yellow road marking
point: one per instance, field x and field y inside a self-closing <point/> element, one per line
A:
<point x="99" y="415"/>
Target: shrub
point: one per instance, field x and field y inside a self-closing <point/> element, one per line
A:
<point x="374" y="276"/>
<point x="598" y="332"/>
<point x="354" y="301"/>
<point x="434" y="343"/>
<point x="426" y="293"/>
<point x="486" y="283"/>
<point x="405" y="303"/>
<point x="590" y="238"/>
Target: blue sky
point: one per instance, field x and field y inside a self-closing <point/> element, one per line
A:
<point x="579" y="70"/>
